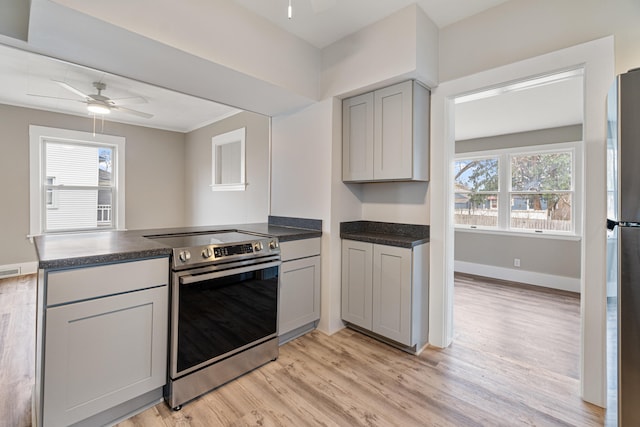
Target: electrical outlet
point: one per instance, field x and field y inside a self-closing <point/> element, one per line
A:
<point x="516" y="262"/>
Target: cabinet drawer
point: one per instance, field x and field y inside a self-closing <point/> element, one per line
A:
<point x="299" y="249"/>
<point x="93" y="282"/>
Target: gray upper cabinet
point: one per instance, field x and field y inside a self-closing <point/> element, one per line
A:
<point x="385" y="134"/>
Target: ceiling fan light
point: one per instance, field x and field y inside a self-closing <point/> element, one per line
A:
<point x="98" y="109"/>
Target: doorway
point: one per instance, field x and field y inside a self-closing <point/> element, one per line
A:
<point x="596" y="58"/>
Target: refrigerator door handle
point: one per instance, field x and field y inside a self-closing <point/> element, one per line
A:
<point x="611" y="224"/>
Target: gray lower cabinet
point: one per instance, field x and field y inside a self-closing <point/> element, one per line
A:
<point x="385" y="292"/>
<point x="102" y="341"/>
<point x="299" y="288"/>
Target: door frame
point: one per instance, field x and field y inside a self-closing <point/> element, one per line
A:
<point x="597" y="59"/>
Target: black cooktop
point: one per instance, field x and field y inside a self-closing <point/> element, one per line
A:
<point x="188" y="240"/>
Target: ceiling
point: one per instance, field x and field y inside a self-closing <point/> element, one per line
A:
<point x="24" y="74"/>
<point x="320" y="22"/>
<point x="513" y="108"/>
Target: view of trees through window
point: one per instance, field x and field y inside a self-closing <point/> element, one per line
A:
<point x="538" y="186"/>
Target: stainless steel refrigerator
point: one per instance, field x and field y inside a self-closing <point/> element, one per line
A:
<point x="623" y="245"/>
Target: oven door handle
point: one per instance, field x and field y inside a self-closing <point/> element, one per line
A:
<point x="186" y="280"/>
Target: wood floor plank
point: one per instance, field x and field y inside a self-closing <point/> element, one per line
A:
<point x="514" y="362"/>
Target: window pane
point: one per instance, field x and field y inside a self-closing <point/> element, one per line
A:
<point x="105" y="198"/>
<point x="71" y="165"/>
<point x="476" y="175"/>
<point x="105" y="166"/>
<point x="476" y="209"/>
<point x="75" y="210"/>
<point x="541" y="172"/>
<point x="541" y="211"/>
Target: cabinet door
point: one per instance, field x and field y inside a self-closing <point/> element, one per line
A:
<point x="299" y="293"/>
<point x="393" y="132"/>
<point x="357" y="270"/>
<point x="103" y="352"/>
<point x="392" y="293"/>
<point x="357" y="138"/>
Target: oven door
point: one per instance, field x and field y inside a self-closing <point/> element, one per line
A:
<point x="219" y="312"/>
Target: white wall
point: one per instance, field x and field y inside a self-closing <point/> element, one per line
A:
<point x="305" y="149"/>
<point x="206" y="207"/>
<point x="404" y="202"/>
<point x="202" y="66"/>
<point x="301" y="163"/>
<point x="371" y="58"/>
<point x="519" y="29"/>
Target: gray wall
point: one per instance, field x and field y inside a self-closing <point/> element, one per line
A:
<point x="14" y="19"/>
<point x="204" y="206"/>
<point x="542" y="255"/>
<point x="154" y="175"/>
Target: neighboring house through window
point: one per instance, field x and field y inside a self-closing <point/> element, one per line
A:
<point x="526" y="189"/>
<point x="77" y="181"/>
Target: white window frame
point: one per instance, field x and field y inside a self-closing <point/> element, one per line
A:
<point x="38" y="135"/>
<point x="237" y="136"/>
<point x="51" y="180"/>
<point x="505" y="190"/>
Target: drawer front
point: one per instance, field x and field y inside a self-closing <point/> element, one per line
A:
<point x="93" y="282"/>
<point x="299" y="249"/>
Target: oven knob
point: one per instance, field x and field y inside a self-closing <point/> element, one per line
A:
<point x="184" y="256"/>
<point x="207" y="253"/>
<point x="273" y="244"/>
<point x="257" y="246"/>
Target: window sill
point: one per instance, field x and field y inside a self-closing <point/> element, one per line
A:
<point x="228" y="187"/>
<point x="533" y="234"/>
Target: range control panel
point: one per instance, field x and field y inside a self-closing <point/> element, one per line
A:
<point x="224" y="251"/>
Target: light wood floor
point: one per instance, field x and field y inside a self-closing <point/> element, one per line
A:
<point x="17" y="349"/>
<point x="514" y="362"/>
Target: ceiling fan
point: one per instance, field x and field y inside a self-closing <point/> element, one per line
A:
<point x="99" y="104"/>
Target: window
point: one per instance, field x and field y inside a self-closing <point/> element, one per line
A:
<point x="530" y="189"/>
<point x="228" y="161"/>
<point x="77" y="181"/>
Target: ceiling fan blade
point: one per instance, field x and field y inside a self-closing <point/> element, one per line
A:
<point x="322" y="5"/>
<point x="56" y="97"/>
<point x="72" y="89"/>
<point x="130" y="111"/>
<point x="128" y="101"/>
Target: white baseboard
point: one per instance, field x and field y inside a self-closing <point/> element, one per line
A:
<point x="13" y="270"/>
<point x="563" y="283"/>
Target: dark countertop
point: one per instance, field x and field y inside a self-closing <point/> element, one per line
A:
<point x="74" y="250"/>
<point x="385" y="233"/>
<point x="104" y="247"/>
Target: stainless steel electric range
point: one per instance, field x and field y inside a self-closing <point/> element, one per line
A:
<point x="224" y="309"/>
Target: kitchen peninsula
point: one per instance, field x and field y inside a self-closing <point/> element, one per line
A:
<point x="103" y="314"/>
